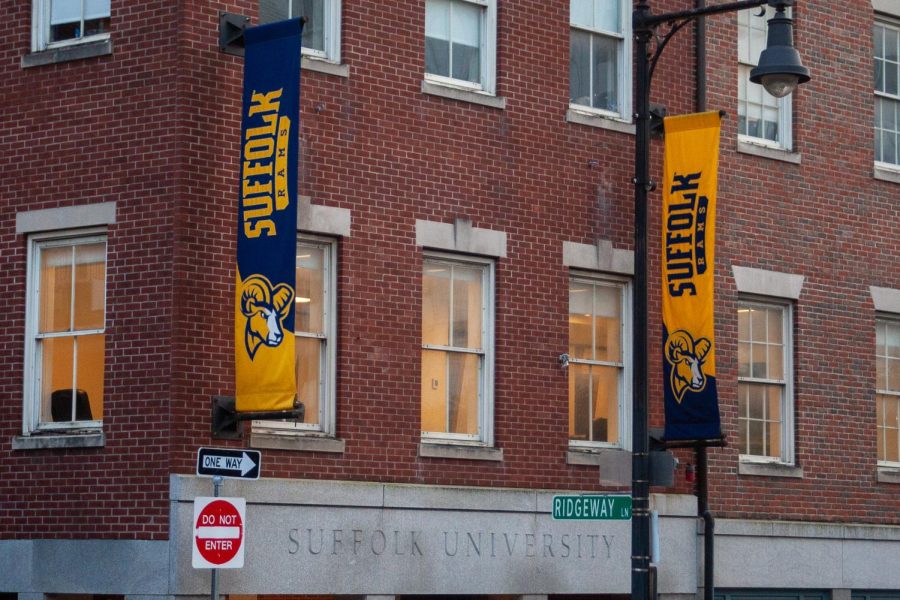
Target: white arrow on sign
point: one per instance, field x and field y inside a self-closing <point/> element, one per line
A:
<point x="247" y="464"/>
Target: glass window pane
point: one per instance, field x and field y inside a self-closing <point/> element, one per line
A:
<point x="893" y="374"/>
<point x="55" y="290"/>
<point x="581" y="12"/>
<point x="755" y="432"/>
<point x="758" y="320"/>
<point x="437" y="37"/>
<point x="467" y="306"/>
<point x="776" y="326"/>
<point x="773" y="440"/>
<point x="96" y="9"/>
<point x="890" y="45"/>
<point x="310" y="297"/>
<point x="579" y="402"/>
<point x="773" y="403"/>
<point x="465" y="31"/>
<point x="314" y="30"/>
<point x="580" y="68"/>
<point x="90" y="286"/>
<point x="580" y="309"/>
<point x="436" y="304"/>
<point x="890" y="79"/>
<point x="309" y="374"/>
<point x="759" y="358"/>
<point x="462" y="393"/>
<point x="889" y="147"/>
<point x="273" y="10"/>
<point x="605" y="73"/>
<point x="756" y="404"/>
<point x="743" y="324"/>
<point x="776" y="362"/>
<point x="65" y="11"/>
<point x="434" y="391"/>
<point x="743" y="360"/>
<point x="57" y="357"/>
<point x="878" y="41"/>
<point x="608" y="324"/>
<point x="89" y="376"/>
<point x="892" y="340"/>
<point x="606" y="15"/>
<point x="891" y="443"/>
<point x="605" y="423"/>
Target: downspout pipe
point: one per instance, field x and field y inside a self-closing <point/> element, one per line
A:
<point x="700" y="63"/>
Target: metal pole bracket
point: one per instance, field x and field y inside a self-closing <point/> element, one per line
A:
<point x="226" y="421"/>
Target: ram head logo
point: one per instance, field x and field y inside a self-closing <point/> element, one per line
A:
<point x="265" y="308"/>
<point x="687" y="357"/>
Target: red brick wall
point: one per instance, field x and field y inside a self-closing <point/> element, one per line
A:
<point x="375" y="144"/>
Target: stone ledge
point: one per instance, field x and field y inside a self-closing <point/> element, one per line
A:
<point x="445" y="91"/>
<point x="886" y="174"/>
<point x="600" y="122"/>
<point x="66" y="217"/>
<point x="770" y="153"/>
<point x="432" y="450"/>
<point x="323" y="66"/>
<point x="297" y="442"/>
<point x="67" y="53"/>
<point x="93" y="439"/>
<point x="769" y="470"/>
<point x="888" y="475"/>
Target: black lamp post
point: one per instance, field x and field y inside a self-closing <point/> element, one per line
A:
<point x="779" y="71"/>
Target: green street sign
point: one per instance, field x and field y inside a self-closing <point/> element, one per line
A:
<point x="592" y="507"/>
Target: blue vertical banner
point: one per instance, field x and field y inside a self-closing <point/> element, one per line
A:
<point x="265" y="377"/>
<point x="688" y="276"/>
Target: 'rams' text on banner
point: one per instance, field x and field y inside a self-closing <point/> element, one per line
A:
<point x="267" y="219"/>
<point x="688" y="254"/>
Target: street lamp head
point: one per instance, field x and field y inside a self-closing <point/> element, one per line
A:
<point x="780" y="70"/>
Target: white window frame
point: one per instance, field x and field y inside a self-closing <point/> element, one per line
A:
<point x="785" y="104"/>
<point x="326" y="426"/>
<point x="485" y="434"/>
<point x="331" y="30"/>
<point x="624" y="284"/>
<point x="623" y="65"/>
<point x="894" y="24"/>
<point x="40" y="29"/>
<point x="31" y="415"/>
<point x="880" y="319"/>
<point x="488" y="83"/>
<point x="787" y="384"/>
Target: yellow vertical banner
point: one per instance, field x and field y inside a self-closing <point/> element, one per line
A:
<point x="688" y="276"/>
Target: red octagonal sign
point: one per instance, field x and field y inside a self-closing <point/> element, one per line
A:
<point x="218" y="533"/>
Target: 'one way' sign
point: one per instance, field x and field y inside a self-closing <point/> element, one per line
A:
<point x="236" y="464"/>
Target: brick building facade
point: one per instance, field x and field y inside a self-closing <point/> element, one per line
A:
<point x="507" y="180"/>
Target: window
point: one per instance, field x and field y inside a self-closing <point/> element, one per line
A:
<point x="765" y="395"/>
<point x="460" y="43"/>
<point x="600" y="56"/>
<point x="65" y="323"/>
<point x="60" y="22"/>
<point x="314" y="330"/>
<point x="887" y="93"/>
<point x="762" y="118"/>
<point x="887" y="392"/>
<point x="321" y="34"/>
<point x="599" y="381"/>
<point x="457" y="354"/>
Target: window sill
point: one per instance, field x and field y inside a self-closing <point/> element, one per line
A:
<point x="297" y="442"/>
<point x="599" y="121"/>
<point x="769" y="470"/>
<point x="87" y="439"/>
<point x="768" y="152"/>
<point x="614" y="463"/>
<point x="323" y="66"/>
<point x="437" y="450"/>
<point x="888" y="475"/>
<point x="444" y="91"/>
<point x="886" y="174"/>
<point x="67" y="53"/>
